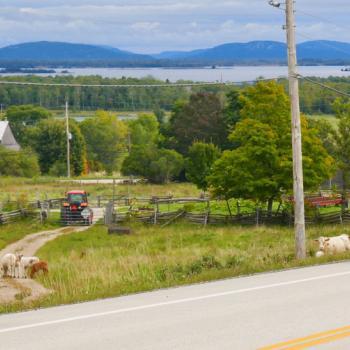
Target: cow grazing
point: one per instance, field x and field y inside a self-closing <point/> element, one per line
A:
<point x="334" y="245"/>
<point x="37" y="267"/>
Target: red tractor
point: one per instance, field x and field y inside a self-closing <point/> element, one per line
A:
<point x="75" y="209"/>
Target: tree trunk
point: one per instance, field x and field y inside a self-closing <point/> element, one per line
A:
<point x="270" y="206"/>
<point x="228" y="207"/>
<point x="344" y="192"/>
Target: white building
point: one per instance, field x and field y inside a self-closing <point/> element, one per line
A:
<point x="6" y="137"/>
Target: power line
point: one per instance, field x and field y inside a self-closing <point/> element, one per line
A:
<point x="323" y="19"/>
<point x="22" y="83"/>
<point x="324" y="86"/>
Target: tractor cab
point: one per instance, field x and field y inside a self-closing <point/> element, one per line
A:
<point x="75" y="208"/>
<point x="77" y="199"/>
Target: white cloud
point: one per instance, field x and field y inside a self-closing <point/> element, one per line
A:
<point x="156" y="25"/>
<point x="145" y="26"/>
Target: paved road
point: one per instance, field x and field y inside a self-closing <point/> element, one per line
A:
<point x="236" y="314"/>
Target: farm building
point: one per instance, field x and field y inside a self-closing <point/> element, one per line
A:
<point x="6" y="137"/>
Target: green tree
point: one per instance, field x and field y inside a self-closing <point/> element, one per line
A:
<point x="48" y="139"/>
<point x="138" y="161"/>
<point x="325" y="132"/>
<point x="160" y="115"/>
<point x="201" y="157"/>
<point x="144" y="130"/>
<point x="233" y="108"/>
<point x="202" y="119"/>
<point x="342" y="141"/>
<point x="166" y="166"/>
<point x="105" y="138"/>
<point x="156" y="165"/>
<point x="23" y="117"/>
<point x="21" y="164"/>
<point x="261" y="167"/>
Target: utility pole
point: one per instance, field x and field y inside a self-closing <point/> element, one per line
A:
<point x="68" y="139"/>
<point x="298" y="183"/>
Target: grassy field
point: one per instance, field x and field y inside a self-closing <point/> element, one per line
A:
<point x="92" y="264"/>
<point x="81" y="115"/>
<point x="16" y="231"/>
<point x="40" y="188"/>
<point x="329" y="118"/>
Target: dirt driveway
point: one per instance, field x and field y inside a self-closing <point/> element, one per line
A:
<point x="28" y="289"/>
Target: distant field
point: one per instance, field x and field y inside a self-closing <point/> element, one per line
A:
<point x="45" y="187"/>
<point x="81" y="115"/>
<point x="328" y="117"/>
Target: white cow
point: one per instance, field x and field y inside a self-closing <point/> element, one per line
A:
<point x="10" y="264"/>
<point x="26" y="263"/>
<point x="334" y="245"/>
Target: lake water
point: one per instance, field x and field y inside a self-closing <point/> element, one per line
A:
<point x="225" y="74"/>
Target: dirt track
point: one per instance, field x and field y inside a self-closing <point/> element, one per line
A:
<point x="27" y="289"/>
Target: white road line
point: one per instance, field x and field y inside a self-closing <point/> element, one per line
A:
<point x="174" y="302"/>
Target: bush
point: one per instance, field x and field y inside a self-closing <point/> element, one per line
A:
<point x="156" y="165"/>
<point x="18" y="163"/>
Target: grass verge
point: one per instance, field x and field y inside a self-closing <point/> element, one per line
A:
<point x="14" y="232"/>
<point x="92" y="264"/>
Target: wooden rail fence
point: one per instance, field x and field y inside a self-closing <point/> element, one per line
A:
<point x="259" y="217"/>
<point x="13" y="216"/>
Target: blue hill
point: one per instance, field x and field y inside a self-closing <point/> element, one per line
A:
<point x="59" y="51"/>
<point x="254" y="52"/>
<point x="267" y="51"/>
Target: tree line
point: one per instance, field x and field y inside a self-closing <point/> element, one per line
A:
<point x="313" y="99"/>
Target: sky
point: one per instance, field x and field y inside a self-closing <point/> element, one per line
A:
<point x="152" y="26"/>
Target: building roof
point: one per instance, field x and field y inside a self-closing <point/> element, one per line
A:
<point x="6" y="137"/>
<point x="3" y="127"/>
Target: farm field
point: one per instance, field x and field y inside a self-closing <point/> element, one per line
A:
<point x="92" y="264"/>
<point x="41" y="188"/>
<point x="327" y="117"/>
<point x="81" y="115"/>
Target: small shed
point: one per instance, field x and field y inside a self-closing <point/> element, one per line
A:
<point x="6" y="137"/>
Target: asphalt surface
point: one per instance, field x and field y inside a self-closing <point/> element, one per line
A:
<point x="245" y="313"/>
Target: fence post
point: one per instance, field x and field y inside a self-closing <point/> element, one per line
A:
<point x="99" y="202"/>
<point x="206" y="219"/>
<point x="155" y="217"/>
<point x="257" y="216"/>
<point x="342" y="212"/>
<point x="109" y="213"/>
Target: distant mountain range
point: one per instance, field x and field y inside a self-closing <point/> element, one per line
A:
<point x="57" y="51"/>
<point x="255" y="52"/>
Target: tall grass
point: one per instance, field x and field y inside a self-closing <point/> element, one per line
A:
<point x="92" y="264"/>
